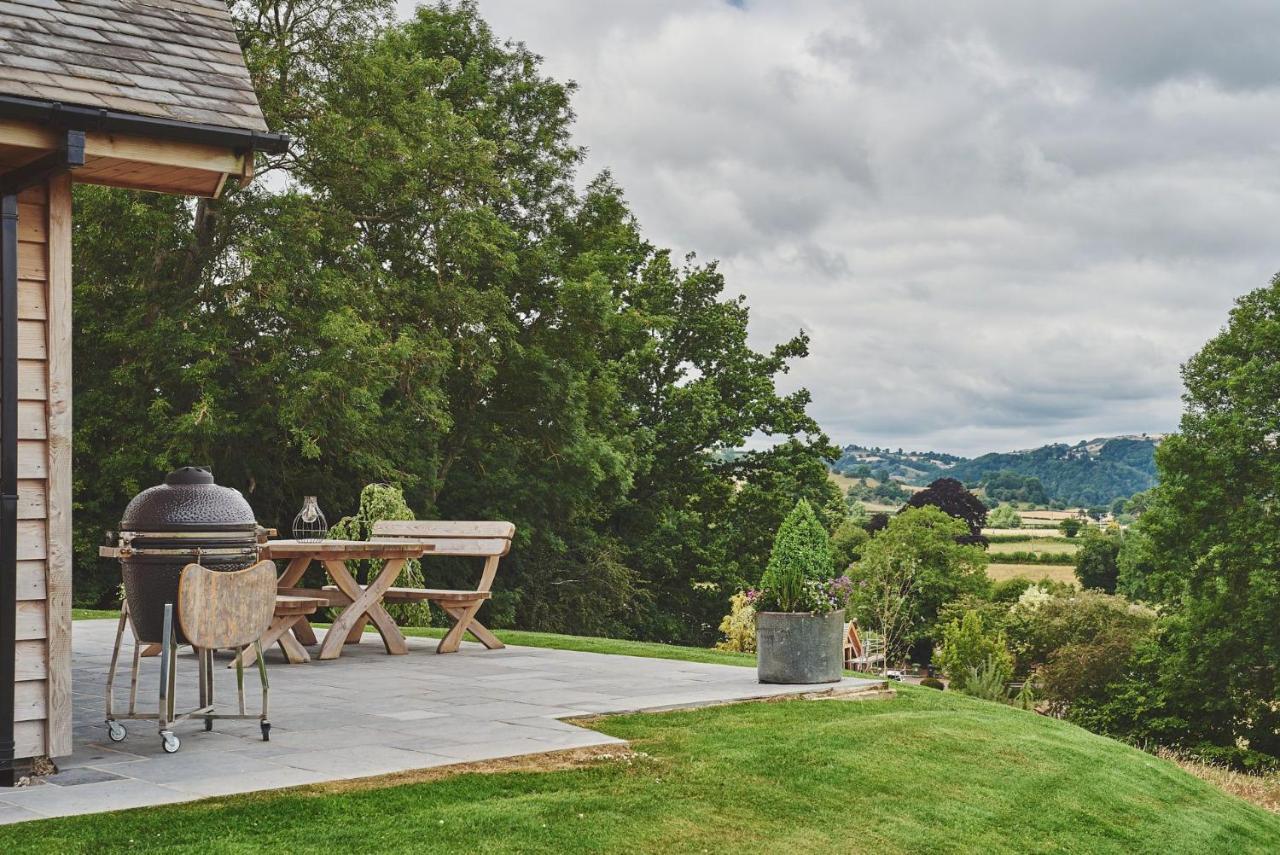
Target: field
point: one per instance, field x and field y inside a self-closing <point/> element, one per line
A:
<point x="924" y="771"/>
<point x="844" y="482"/>
<point x="1032" y="532"/>
<point x="1034" y="572"/>
<point x="1048" y="545"/>
<point x="1046" y="517"/>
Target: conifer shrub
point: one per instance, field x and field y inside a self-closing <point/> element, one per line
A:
<point x="739" y="625"/>
<point x="801" y="556"/>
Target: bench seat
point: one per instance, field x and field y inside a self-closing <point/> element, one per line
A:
<point x="412" y="595"/>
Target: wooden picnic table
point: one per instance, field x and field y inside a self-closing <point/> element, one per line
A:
<point x="364" y="603"/>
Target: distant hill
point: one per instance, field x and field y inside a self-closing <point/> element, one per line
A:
<point x="1094" y="472"/>
<point x="911" y="467"/>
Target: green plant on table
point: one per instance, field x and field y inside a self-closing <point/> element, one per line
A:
<point x="379" y="502"/>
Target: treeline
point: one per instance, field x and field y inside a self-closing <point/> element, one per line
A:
<point x="1009" y="486"/>
<point x="1092" y="474"/>
<point x="419" y="294"/>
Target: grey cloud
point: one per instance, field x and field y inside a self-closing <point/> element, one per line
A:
<point x="1001" y="224"/>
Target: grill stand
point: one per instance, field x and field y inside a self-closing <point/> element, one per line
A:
<point x="165" y="715"/>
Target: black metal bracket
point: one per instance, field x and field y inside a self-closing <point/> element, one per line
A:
<point x="68" y="155"/>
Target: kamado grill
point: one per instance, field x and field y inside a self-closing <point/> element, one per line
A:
<point x="180" y="546"/>
<point x="186" y="520"/>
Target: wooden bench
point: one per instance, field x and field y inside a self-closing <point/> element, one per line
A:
<point x="487" y="540"/>
<point x="289" y="610"/>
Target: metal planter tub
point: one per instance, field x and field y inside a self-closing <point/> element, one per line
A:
<point x="799" y="647"/>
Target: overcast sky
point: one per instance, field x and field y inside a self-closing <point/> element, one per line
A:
<point x="1001" y="223"/>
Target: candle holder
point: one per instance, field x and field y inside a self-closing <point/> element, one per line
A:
<point x="310" y="524"/>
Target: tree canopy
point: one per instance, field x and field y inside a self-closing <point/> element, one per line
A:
<point x="1209" y="537"/>
<point x="419" y="294"/>
<point x="950" y="496"/>
<point x="925" y="540"/>
<point x="1096" y="560"/>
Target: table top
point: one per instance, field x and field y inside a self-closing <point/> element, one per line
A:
<point x="344" y="548"/>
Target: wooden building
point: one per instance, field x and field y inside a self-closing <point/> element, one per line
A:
<point x="142" y="94"/>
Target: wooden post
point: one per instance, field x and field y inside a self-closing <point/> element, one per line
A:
<point x="58" y="491"/>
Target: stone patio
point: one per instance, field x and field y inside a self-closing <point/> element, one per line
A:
<point x="364" y="714"/>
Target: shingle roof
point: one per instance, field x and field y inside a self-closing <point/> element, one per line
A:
<point x="172" y="59"/>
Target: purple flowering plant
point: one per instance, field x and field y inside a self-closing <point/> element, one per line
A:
<point x="816" y="596"/>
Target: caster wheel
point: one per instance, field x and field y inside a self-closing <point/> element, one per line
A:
<point x="266" y="731"/>
<point x="116" y="731"/>
<point x="170" y="743"/>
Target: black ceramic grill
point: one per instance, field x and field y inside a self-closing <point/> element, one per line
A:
<point x="186" y="519"/>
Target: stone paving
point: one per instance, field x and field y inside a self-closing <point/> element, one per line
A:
<point x="364" y="714"/>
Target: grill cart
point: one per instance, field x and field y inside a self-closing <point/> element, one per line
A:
<point x="188" y="550"/>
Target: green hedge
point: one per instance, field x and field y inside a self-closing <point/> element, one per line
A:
<point x="1032" y="558"/>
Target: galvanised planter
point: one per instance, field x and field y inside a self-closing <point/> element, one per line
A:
<point x="799" y="647"/>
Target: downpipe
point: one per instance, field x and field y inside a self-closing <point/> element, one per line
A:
<point x="8" y="481"/>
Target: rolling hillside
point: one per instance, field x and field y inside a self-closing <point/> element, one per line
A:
<point x="1092" y="472"/>
<point x="1095" y="472"/>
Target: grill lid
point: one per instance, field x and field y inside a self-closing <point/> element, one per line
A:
<point x="189" y="501"/>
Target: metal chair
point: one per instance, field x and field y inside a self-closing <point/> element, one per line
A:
<point x="217" y="611"/>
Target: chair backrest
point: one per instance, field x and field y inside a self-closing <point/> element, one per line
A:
<point x="222" y="610"/>
<point x="480" y="539"/>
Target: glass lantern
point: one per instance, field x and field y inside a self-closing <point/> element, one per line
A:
<point x="310" y="524"/>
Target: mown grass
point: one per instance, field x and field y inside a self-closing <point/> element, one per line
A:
<point x="614" y="646"/>
<point x="923" y="772"/>
<point x="94" y="614"/>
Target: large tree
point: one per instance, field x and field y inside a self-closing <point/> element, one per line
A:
<point x="1209" y="544"/>
<point x="418" y="294"/>
<point x="922" y="545"/>
<point x="951" y="497"/>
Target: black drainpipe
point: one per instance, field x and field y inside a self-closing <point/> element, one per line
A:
<point x="69" y="156"/>
<point x="8" y="478"/>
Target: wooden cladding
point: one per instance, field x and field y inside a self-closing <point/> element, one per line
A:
<point x="42" y="691"/>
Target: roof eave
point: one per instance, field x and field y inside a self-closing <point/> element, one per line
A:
<point x="74" y="117"/>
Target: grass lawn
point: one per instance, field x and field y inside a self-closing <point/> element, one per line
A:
<point x="925" y="771"/>
<point x="93" y="614"/>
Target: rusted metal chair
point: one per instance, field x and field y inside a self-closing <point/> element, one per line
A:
<point x="216" y="611"/>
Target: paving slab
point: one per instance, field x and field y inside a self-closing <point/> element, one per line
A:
<point x="363" y="714"/>
<point x="10" y="814"/>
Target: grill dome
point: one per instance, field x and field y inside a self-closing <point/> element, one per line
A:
<point x="188" y="500"/>
<point x="186" y="519"/>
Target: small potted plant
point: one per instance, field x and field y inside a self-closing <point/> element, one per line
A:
<point x="800" y="607"/>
